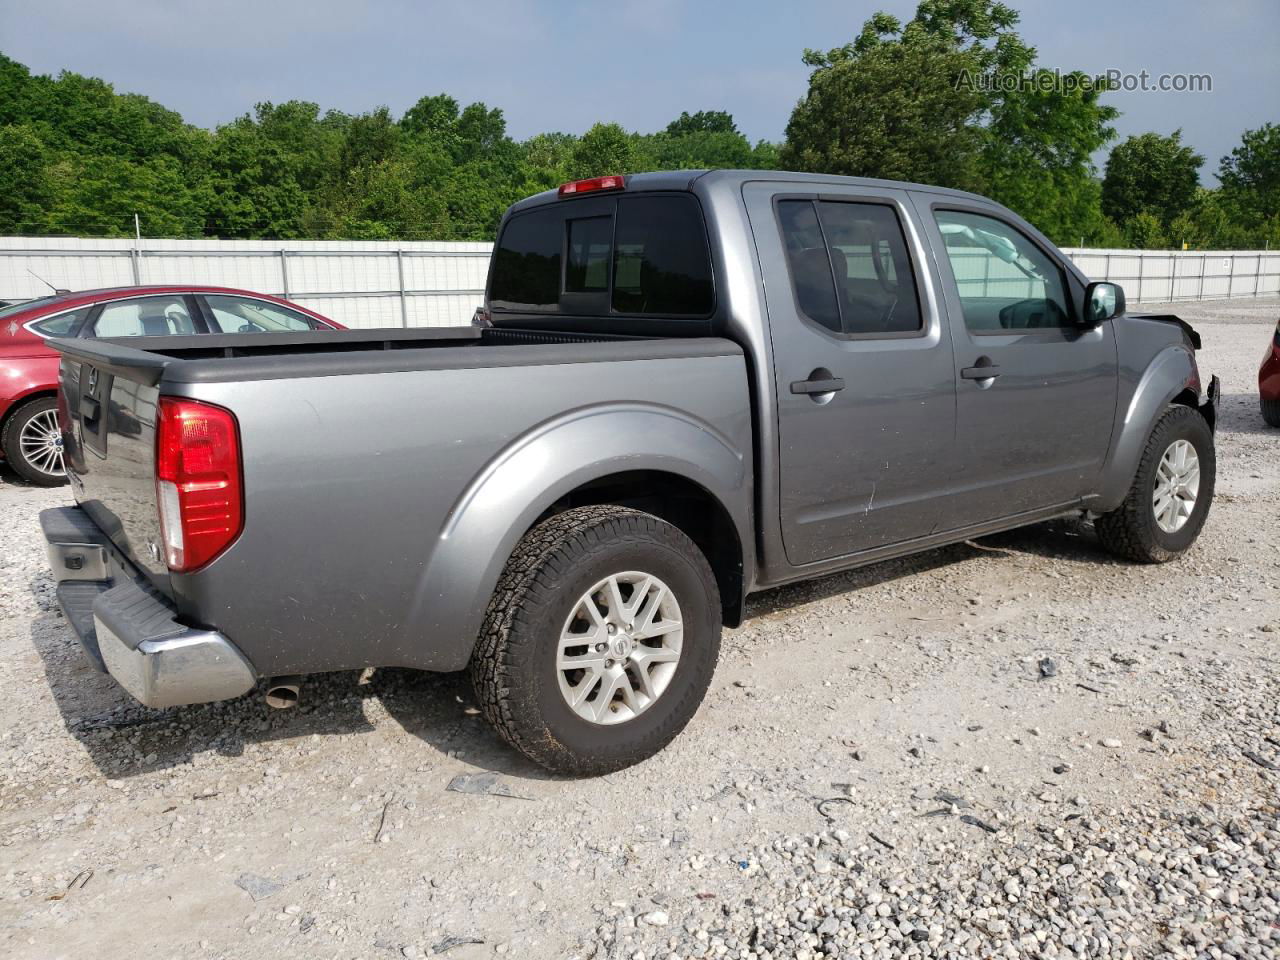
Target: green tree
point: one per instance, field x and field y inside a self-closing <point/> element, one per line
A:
<point x="1145" y="231"/>
<point x="26" y="188"/>
<point x="604" y="149"/>
<point x="952" y="97"/>
<point x="704" y="121"/>
<point x="889" y="105"/>
<point x="100" y="193"/>
<point x="1153" y="173"/>
<point x="430" y="115"/>
<point x="1250" y="175"/>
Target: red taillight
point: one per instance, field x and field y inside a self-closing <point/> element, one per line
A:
<point x="198" y="487"/>
<point x="612" y="182"/>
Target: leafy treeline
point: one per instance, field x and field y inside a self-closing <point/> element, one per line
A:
<point x="930" y="100"/>
<point x="921" y="100"/>
<point x="78" y="158"/>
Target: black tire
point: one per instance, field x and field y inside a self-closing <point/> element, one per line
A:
<point x="513" y="668"/>
<point x="1131" y="530"/>
<point x="1270" y="411"/>
<point x="21" y="464"/>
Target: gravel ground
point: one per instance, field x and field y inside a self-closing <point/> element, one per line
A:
<point x="1018" y="747"/>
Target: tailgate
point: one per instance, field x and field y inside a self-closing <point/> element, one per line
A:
<point x="109" y="398"/>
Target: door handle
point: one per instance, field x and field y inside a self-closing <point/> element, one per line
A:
<point x="821" y="385"/>
<point x="987" y="371"/>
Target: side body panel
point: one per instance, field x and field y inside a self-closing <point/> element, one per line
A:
<point x="1036" y="435"/>
<point x="1156" y="364"/>
<point x="23" y="377"/>
<point x="384" y="550"/>
<point x="866" y="465"/>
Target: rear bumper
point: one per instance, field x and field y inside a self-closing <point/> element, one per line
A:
<point x="130" y="630"/>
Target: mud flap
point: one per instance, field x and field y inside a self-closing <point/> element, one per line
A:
<point x="1209" y="405"/>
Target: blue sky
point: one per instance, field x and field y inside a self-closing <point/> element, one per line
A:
<point x="563" y="66"/>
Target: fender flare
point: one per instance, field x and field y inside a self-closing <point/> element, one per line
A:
<point x="1171" y="372"/>
<point x="527" y="477"/>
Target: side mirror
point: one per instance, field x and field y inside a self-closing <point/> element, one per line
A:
<point x="1102" y="301"/>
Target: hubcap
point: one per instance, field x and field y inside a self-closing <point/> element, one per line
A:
<point x="1177" y="486"/>
<point x="41" y="443"/>
<point x="619" y="648"/>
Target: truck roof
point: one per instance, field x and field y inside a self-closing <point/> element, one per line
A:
<point x="733" y="180"/>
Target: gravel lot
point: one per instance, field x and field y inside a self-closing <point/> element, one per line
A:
<point x="882" y="768"/>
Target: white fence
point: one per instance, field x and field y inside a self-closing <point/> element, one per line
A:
<point x="387" y="284"/>
<point x="357" y="283"/>
<point x="1165" y="276"/>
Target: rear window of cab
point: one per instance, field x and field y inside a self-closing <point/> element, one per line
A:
<point x="644" y="255"/>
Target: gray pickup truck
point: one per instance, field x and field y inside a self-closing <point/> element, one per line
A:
<point x="682" y="388"/>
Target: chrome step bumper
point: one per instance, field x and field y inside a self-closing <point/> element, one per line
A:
<point x="129" y="629"/>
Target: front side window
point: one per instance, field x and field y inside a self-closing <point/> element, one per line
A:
<point x="63" y="325"/>
<point x="144" y="317"/>
<point x="850" y="267"/>
<point x="1005" y="282"/>
<point x="245" y="315"/>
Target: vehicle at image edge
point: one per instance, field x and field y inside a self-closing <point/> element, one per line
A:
<point x="29" y="438"/>
<point x="1269" y="381"/>
<point x="682" y="388"/>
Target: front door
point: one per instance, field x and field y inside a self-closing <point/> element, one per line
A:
<point x="863" y="370"/>
<point x="1035" y="391"/>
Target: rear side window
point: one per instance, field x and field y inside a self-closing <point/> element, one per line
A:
<point x="160" y="316"/>
<point x="526" y="264"/>
<point x="587" y="267"/>
<point x="644" y="255"/>
<point x="660" y="259"/>
<point x="63" y="325"/>
<point x="850" y="267"/>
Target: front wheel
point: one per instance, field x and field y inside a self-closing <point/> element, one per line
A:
<point x="1169" y="501"/>
<point x="33" y="443"/>
<point x="600" y="640"/>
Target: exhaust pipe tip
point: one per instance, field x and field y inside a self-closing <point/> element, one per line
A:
<point x="282" y="692"/>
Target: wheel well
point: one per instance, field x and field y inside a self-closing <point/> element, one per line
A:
<point x="1187" y="398"/>
<point x="685" y="505"/>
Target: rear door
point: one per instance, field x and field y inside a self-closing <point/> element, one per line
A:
<point x="862" y="365"/>
<point x="1035" y="392"/>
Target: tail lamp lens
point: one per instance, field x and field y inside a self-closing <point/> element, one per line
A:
<point x="198" y="487"/>
<point x="612" y="182"/>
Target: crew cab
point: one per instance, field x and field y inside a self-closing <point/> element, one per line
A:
<point x="682" y="388"/>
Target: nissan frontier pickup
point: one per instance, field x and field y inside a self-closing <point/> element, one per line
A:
<point x="681" y="388"/>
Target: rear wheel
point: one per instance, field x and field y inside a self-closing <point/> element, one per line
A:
<point x="33" y="443"/>
<point x="1270" y="411"/>
<point x="1169" y="501"/>
<point x="600" y="640"/>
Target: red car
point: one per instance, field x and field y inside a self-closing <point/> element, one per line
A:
<point x="1269" y="382"/>
<point x="29" y="436"/>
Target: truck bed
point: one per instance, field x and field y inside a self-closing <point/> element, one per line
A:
<point x="375" y="463"/>
<point x="321" y="352"/>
